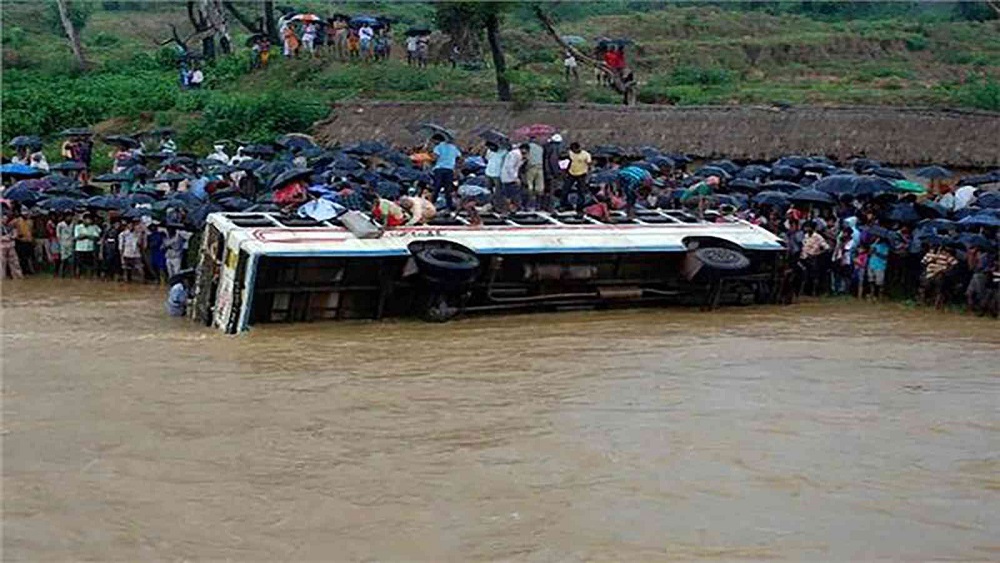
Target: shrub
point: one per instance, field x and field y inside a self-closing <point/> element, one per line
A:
<point x="981" y="92"/>
<point x="916" y="43"/>
<point x="695" y="75"/>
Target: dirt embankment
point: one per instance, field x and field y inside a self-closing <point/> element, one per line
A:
<point x="901" y="136"/>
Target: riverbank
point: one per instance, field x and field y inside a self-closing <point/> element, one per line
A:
<point x="897" y="136"/>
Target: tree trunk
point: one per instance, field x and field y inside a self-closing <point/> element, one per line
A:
<point x="269" y="27"/>
<point x="251" y="25"/>
<point x="74" y="38"/>
<point x="499" y="63"/>
<point x="208" y="47"/>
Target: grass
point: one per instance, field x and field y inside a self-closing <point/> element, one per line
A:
<point x="684" y="54"/>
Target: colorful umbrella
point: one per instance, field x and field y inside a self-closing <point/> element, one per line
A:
<point x="21" y="171"/>
<point x="909" y="187"/>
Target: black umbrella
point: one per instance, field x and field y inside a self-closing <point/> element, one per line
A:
<point x="60" y="181"/>
<point x="706" y="171"/>
<point x="272" y="170"/>
<point x="607" y="151"/>
<point x="169" y="177"/>
<point x="105" y="202"/>
<point x="288" y="176"/>
<point x="367" y="148"/>
<point x="61" y="204"/>
<point x="781" y="186"/>
<point x="930" y="210"/>
<point x="25" y="141"/>
<point x="754" y="172"/>
<point x="793" y="161"/>
<point x="785" y="172"/>
<point x="263" y="151"/>
<point x="743" y="185"/>
<point x="122" y="141"/>
<point x="180" y="160"/>
<point x="869" y="185"/>
<point x="862" y="164"/>
<point x="903" y="213"/>
<point x="881" y="232"/>
<point x="978" y="180"/>
<point x="113" y="178"/>
<point x="888" y="173"/>
<point x="729" y="166"/>
<point x="250" y="165"/>
<point x="68" y="166"/>
<point x="76" y="132"/>
<point x="809" y="195"/>
<point x="137" y="171"/>
<point x="139" y="199"/>
<point x="662" y="161"/>
<point x="934" y="172"/>
<point x="495" y="137"/>
<point x="771" y="198"/>
<point x="295" y="141"/>
<point x="65" y="191"/>
<point x="427" y="129"/>
<point x="417" y="32"/>
<point x="21" y="194"/>
<point x="836" y="184"/>
<point x="820" y="168"/>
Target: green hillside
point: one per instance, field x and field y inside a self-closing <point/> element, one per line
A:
<point x="823" y="53"/>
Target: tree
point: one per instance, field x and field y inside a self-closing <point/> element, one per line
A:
<point x="72" y="32"/>
<point x="628" y="89"/>
<point x="465" y="23"/>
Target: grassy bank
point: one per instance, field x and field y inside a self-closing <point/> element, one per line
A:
<point x="683" y="54"/>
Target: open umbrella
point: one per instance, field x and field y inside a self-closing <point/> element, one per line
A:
<point x="903" y="213"/>
<point x="68" y="166"/>
<point x="306" y="18"/>
<point x="21" y="171"/>
<point x="105" y="202"/>
<point x="743" y="185"/>
<point x="61" y="204"/>
<point x="289" y="176"/>
<point x="975" y="240"/>
<point x="138" y="171"/>
<point x="836" y="184"/>
<point x="361" y="21"/>
<point x="934" y="172"/>
<point x="930" y="210"/>
<point x="990" y="200"/>
<point x="122" y="141"/>
<point x="169" y="177"/>
<point x="662" y="161"/>
<point x="906" y="186"/>
<point x="299" y="141"/>
<point x="250" y="165"/>
<point x="25" y="141"/>
<point x="785" y="172"/>
<point x="602" y="177"/>
<point x="607" y="151"/>
<point x="494" y="136"/>
<point x="977" y="180"/>
<point x="729" y="166"/>
<point x="862" y="164"/>
<point x="881" y="232"/>
<point x="573" y="39"/>
<point x="809" y="195"/>
<point x="890" y="173"/>
<point x="537" y="130"/>
<point x="781" y="186"/>
<point x="262" y="151"/>
<point x="706" y="171"/>
<point x="870" y="185"/>
<point x="754" y="172"/>
<point x="793" y="161"/>
<point x="66" y="191"/>
<point x="76" y="132"/>
<point x="112" y="178"/>
<point x="771" y="198"/>
<point x="820" y="168"/>
<point x="980" y="220"/>
<point x="427" y="130"/>
<point x="417" y="32"/>
<point x="22" y="194"/>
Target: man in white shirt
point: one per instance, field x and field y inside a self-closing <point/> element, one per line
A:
<point x="511" y="193"/>
<point x="130" y="249"/>
<point x="197" y="77"/>
<point x="365" y="34"/>
<point x="411" y="49"/>
<point x="494" y="162"/>
<point x="569" y="63"/>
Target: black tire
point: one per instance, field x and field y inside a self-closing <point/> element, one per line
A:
<point x="447" y="265"/>
<point x="722" y="260"/>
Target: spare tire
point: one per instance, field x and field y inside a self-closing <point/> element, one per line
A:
<point x="722" y="259"/>
<point x="447" y="265"/>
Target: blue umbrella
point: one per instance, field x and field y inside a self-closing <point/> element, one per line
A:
<point x="706" y="171"/>
<point x="61" y="204"/>
<point x="980" y="220"/>
<point x="990" y="200"/>
<point x="113" y="178"/>
<point x="978" y="180"/>
<point x="771" y="198"/>
<point x="235" y="203"/>
<point x="68" y="166"/>
<point x="22" y="194"/>
<point x="783" y="172"/>
<point x="862" y="164"/>
<point x="105" y="202"/>
<point x="363" y="20"/>
<point x="21" y="171"/>
<point x="602" y="177"/>
<point x="881" y="232"/>
<point x="820" y="168"/>
<point x="781" y="186"/>
<point x="903" y="213"/>
<point x="890" y="173"/>
<point x="934" y="172"/>
<point x="869" y="185"/>
<point x="936" y="225"/>
<point x="663" y="161"/>
<point x="971" y="239"/>
<point x="793" y="161"/>
<point x="137" y="213"/>
<point x="139" y="199"/>
<point x="809" y="195"/>
<point x="754" y="172"/>
<point x="729" y="166"/>
<point x="744" y="185"/>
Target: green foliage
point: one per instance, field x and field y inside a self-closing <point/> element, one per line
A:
<point x="916" y="43"/>
<point x="981" y="92"/>
<point x="79" y="13"/>
<point x="14" y="37"/>
<point x="102" y="39"/>
<point x="693" y="75"/>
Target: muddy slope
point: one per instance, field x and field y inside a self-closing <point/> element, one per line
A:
<point x="901" y="136"/>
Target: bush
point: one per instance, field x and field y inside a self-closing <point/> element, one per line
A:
<point x="981" y="92"/>
<point x="916" y="43"/>
<point x="694" y="75"/>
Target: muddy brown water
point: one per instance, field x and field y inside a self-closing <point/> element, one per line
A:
<point x="826" y="430"/>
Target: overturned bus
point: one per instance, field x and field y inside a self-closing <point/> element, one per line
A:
<point x="269" y="268"/>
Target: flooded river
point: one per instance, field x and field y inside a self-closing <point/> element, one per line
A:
<point x="830" y="431"/>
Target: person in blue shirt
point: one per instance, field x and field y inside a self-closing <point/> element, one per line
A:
<point x="878" y="262"/>
<point x="177" y="299"/>
<point x="631" y="179"/>
<point x="446" y="155"/>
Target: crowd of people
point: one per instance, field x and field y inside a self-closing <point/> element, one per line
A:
<point x="865" y="230"/>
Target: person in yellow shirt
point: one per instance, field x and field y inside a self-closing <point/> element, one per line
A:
<point x="576" y="176"/>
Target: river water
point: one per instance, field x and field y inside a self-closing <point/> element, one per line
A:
<point x="826" y="430"/>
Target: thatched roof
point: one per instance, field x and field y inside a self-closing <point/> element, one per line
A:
<point x="900" y="136"/>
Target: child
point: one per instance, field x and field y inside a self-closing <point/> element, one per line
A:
<point x="861" y="268"/>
